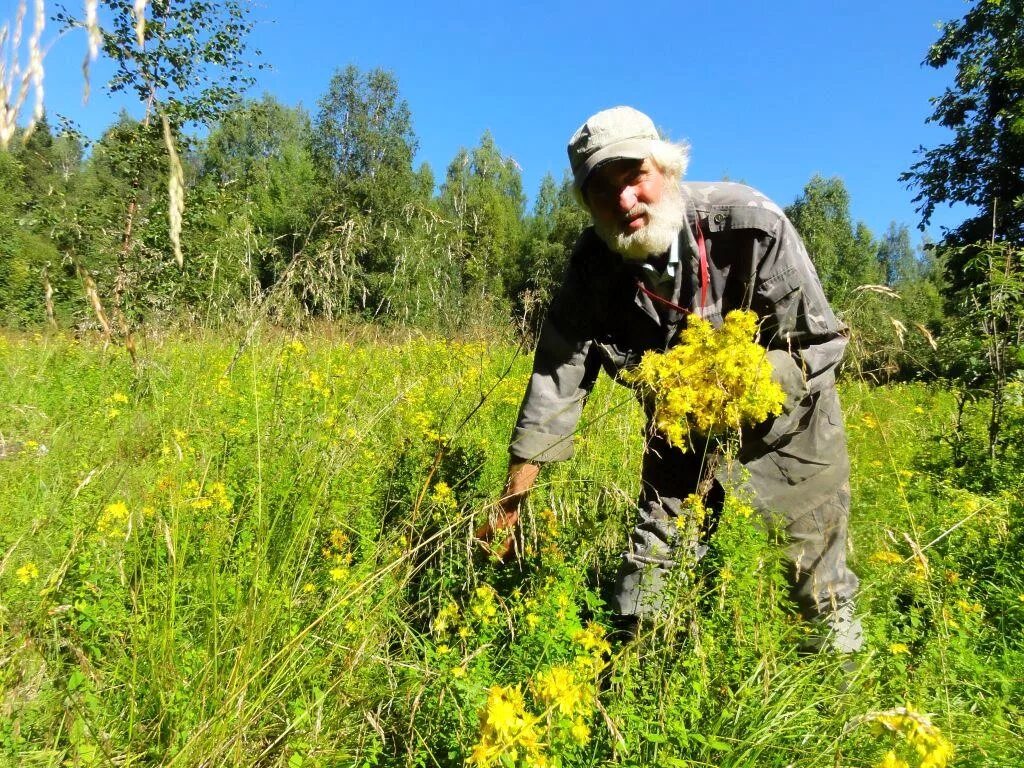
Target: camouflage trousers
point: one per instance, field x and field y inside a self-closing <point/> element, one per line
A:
<point x="814" y="545"/>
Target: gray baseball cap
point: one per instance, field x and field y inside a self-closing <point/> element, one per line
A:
<point x="619" y="133"/>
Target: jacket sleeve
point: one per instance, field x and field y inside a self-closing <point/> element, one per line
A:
<point x="565" y="366"/>
<point x="798" y="318"/>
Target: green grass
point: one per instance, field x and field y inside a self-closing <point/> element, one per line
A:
<point x="293" y="524"/>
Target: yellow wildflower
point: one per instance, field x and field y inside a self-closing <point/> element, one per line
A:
<point x="504" y="712"/>
<point x="443" y="496"/>
<point x="483" y="606"/>
<point x="446" y="618"/>
<point x="558" y="688"/>
<point x="931" y="746"/>
<point x="592" y="640"/>
<point x="458" y="672"/>
<point x="898" y="648"/>
<point x="28" y="572"/>
<point x="887" y="556"/>
<point x="339" y="539"/>
<point x="113" y="520"/>
<point x="550" y="521"/>
<point x="969" y="608"/>
<point x="892" y="761"/>
<point x="580" y="732"/>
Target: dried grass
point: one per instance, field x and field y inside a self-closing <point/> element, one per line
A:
<point x="175" y="192"/>
<point x="17" y="79"/>
<point x="92" y="30"/>
<point x="140" y="21"/>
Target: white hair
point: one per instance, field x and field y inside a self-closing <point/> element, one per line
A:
<point x="672" y="158"/>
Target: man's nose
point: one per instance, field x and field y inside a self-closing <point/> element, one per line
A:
<point x="627" y="198"/>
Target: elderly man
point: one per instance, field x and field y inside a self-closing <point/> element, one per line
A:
<point x="660" y="249"/>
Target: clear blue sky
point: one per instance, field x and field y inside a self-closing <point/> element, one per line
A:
<point x="766" y="93"/>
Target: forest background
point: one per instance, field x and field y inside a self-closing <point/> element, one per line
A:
<point x="209" y="236"/>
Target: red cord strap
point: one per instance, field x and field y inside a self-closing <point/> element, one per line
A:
<point x="705" y="278"/>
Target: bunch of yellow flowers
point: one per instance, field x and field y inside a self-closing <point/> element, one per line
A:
<point x="564" y="697"/>
<point x="507" y="730"/>
<point x="711" y="381"/>
<point x="933" y="749"/>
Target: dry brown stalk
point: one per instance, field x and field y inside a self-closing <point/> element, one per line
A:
<point x="93" y="296"/>
<point x="17" y="81"/>
<point x="48" y="298"/>
<point x="140" y="21"/>
<point x="92" y="30"/>
<point x="175" y="192"/>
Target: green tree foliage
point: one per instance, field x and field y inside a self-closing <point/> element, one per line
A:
<point x="13" y="274"/>
<point x="549" y="235"/>
<point x="983" y="164"/>
<point x="186" y="65"/>
<point x="884" y="292"/>
<point x="257" y="173"/>
<point x="40" y="171"/>
<point x="983" y="357"/>
<point x="124" y="179"/>
<point x="483" y="194"/>
<point x="191" y="63"/>
<point x="843" y="254"/>
<point x="363" y="142"/>
<point x="896" y="255"/>
<point x="362" y="147"/>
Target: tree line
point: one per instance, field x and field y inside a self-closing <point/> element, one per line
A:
<point x="326" y="215"/>
<point x="293" y="215"/>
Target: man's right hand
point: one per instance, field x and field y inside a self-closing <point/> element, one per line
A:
<point x="498" y="535"/>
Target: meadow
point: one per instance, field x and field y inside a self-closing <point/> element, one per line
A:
<point x="260" y="553"/>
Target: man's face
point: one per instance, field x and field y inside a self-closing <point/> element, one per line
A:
<point x="637" y="210"/>
<point x="615" y="189"/>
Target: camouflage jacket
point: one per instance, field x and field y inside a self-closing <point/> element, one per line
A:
<point x="601" y="319"/>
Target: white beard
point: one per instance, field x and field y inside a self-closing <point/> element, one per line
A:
<point x="664" y="221"/>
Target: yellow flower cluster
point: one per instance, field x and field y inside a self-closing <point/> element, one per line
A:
<point x="887" y="556"/>
<point x="446" y="618"/>
<point x="484" y="606"/>
<point x="932" y="748"/>
<point x="28" y="572"/>
<point x="113" y="520"/>
<point x="592" y="641"/>
<point x="563" y="697"/>
<point x="511" y="734"/>
<point x="508" y="732"/>
<point x="215" y="495"/>
<point x="316" y="384"/>
<point x="444" y="497"/>
<point x="338" y="553"/>
<point x="293" y="348"/>
<point x="712" y="381"/>
<point x="559" y="689"/>
<point x="424" y="422"/>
